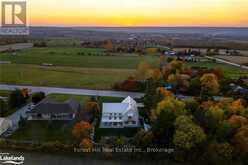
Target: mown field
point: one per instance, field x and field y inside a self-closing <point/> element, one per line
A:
<point x="229" y="71"/>
<point x="76" y="57"/>
<point x="242" y="60"/>
<point x="94" y="78"/>
<point x="80" y="67"/>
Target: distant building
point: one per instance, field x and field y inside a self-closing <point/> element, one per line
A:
<point x="51" y="110"/>
<point x="120" y="115"/>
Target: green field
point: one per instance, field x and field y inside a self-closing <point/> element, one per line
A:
<point x="4" y="93"/>
<point x="44" y="131"/>
<point x="64" y="97"/>
<point x="229" y="71"/>
<point x="94" y="78"/>
<point x="76" y="57"/>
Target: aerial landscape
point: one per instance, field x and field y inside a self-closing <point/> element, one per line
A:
<point x="134" y="82"/>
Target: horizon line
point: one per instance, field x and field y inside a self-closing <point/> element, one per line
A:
<point x="60" y="26"/>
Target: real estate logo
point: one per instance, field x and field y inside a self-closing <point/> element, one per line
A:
<point x="7" y="158"/>
<point x="14" y="18"/>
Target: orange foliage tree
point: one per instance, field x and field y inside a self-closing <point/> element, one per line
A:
<point x="240" y="139"/>
<point x="238" y="120"/>
<point x="209" y="84"/>
<point x="81" y="130"/>
<point x="86" y="143"/>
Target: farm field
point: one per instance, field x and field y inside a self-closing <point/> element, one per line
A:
<point x="229" y="71"/>
<point x="76" y="57"/>
<point x="93" y="78"/>
<point x="242" y="60"/>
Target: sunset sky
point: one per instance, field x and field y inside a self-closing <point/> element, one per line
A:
<point x="139" y="12"/>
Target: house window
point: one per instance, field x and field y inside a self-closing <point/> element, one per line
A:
<point x="134" y="122"/>
<point x="115" y="118"/>
<point x="120" y="117"/>
<point x="110" y="117"/>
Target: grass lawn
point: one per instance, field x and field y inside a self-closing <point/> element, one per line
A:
<point x="229" y="71"/>
<point x="44" y="131"/>
<point x="76" y="57"/>
<point x="126" y="132"/>
<point x="63" y="97"/>
<point x="4" y="93"/>
<point x="94" y="78"/>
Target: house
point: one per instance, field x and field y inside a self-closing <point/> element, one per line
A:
<point x="120" y="115"/>
<point x="51" y="110"/>
<point x="5" y="124"/>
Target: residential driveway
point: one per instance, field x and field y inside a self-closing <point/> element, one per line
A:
<point x="74" y="91"/>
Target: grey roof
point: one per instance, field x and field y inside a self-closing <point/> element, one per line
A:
<point x="114" y="107"/>
<point x="47" y="106"/>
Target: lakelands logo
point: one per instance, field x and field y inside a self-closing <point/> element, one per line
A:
<point x="14" y="18"/>
<point x="7" y="158"/>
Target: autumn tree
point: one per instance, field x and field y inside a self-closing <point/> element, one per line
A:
<point x="86" y="143"/>
<point x="240" y="139"/>
<point x="168" y="103"/>
<point x="108" y="45"/>
<point x="187" y="135"/>
<point x="143" y="139"/>
<point x="238" y="120"/>
<point x="213" y="116"/>
<point x="143" y="70"/>
<point x="16" y="99"/>
<point x="163" y="117"/>
<point x="156" y="75"/>
<point x="237" y="107"/>
<point x="209" y="85"/>
<point x="81" y="130"/>
<point x="93" y="108"/>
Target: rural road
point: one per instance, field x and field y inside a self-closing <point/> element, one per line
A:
<point x="73" y="91"/>
<point x="227" y="62"/>
<point x="18" y="46"/>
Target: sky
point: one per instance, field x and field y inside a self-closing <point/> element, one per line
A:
<point x="139" y="13"/>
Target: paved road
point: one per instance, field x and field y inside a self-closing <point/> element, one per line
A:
<point x="227" y="62"/>
<point x="16" y="46"/>
<point x="87" y="92"/>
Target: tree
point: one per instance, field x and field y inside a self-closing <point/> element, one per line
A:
<point x="187" y="135"/>
<point x="3" y="108"/>
<point x="37" y="97"/>
<point x="213" y="116"/>
<point x="108" y="45"/>
<point x="238" y="120"/>
<point x="81" y="130"/>
<point x="237" y="107"/>
<point x="240" y="139"/>
<point x="16" y="99"/>
<point x="156" y="75"/>
<point x="93" y="107"/>
<point x="86" y="143"/>
<point x="209" y="85"/>
<point x="168" y="103"/>
<point x="143" y="70"/>
<point x="163" y="127"/>
<point x="195" y="86"/>
<point x="143" y="139"/>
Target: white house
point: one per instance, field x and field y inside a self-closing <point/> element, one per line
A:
<point x="5" y="124"/>
<point x="120" y="115"/>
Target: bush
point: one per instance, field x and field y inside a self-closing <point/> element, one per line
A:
<point x="16" y="99"/>
<point x="37" y="97"/>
